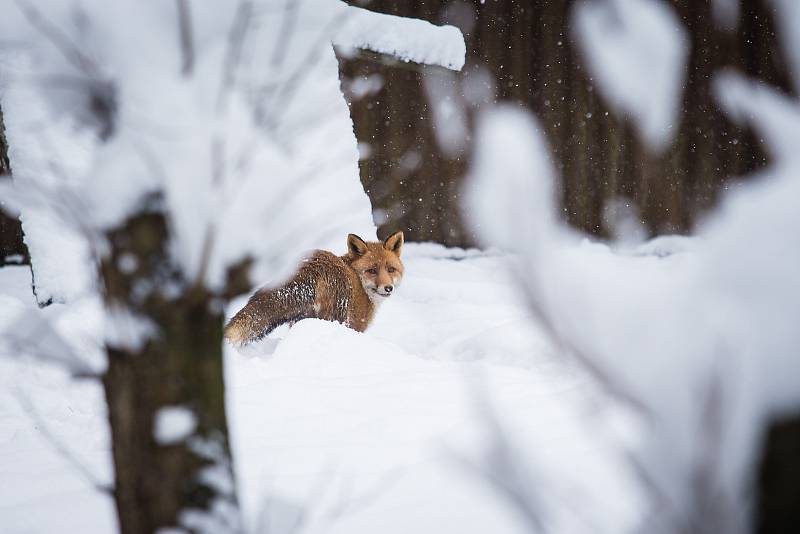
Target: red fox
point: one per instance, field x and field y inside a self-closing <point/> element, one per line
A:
<point x="345" y="288"/>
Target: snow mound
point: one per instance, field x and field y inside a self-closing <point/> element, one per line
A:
<point x="385" y="431"/>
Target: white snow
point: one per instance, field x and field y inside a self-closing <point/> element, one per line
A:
<point x="449" y="114"/>
<point x="173" y="424"/>
<point x="127" y="331"/>
<point x="636" y="50"/>
<point x="387" y="431"/>
<point x="389" y="34"/>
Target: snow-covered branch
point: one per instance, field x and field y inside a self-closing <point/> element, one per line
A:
<point x="637" y="49"/>
<point x="674" y="332"/>
<point x="406" y="39"/>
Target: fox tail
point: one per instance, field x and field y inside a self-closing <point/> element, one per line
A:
<point x="269" y="308"/>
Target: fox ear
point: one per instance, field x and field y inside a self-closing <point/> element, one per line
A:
<point x="394" y="243"/>
<point x="356" y="245"/>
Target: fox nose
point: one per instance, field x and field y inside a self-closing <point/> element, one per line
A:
<point x="388" y="289"/>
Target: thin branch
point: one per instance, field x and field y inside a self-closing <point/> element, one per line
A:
<point x="186" y="37"/>
<point x="205" y="255"/>
<point x="236" y="39"/>
<point x="217" y="179"/>
<point x="287" y="29"/>
<point x="503" y="468"/>
<point x="61" y="41"/>
<point x="59" y="447"/>
<point x="350" y="503"/>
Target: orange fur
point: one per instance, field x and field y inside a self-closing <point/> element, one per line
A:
<point x="335" y="288"/>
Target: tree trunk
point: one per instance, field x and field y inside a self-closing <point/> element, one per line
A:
<point x="528" y="47"/>
<point x="186" y="480"/>
<point x="12" y="246"/>
<point x="778" y="503"/>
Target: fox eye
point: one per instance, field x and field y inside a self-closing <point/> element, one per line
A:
<point x="372" y="271"/>
<point x="391" y="269"/>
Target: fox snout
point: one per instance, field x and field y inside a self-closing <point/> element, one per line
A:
<point x="385" y="290"/>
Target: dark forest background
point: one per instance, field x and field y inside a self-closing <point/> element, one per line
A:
<point x="526" y="50"/>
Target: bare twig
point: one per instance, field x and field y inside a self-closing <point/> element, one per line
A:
<point x="346" y="503"/>
<point x="352" y="503"/>
<point x="708" y="509"/>
<point x="711" y="510"/>
<point x="217" y="179"/>
<point x="503" y="468"/>
<point x="52" y="33"/>
<point x="287" y="29"/>
<point x="59" y="447"/>
<point x="236" y="38"/>
<point x="186" y="37"/>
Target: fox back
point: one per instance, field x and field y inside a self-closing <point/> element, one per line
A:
<point x="344" y="288"/>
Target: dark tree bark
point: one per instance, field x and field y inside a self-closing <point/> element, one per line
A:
<point x="12" y="246"/>
<point x="180" y="365"/>
<point x="412" y="185"/>
<point x="778" y="502"/>
<point x="528" y="47"/>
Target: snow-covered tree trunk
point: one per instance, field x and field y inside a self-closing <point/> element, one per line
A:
<point x="12" y="246"/>
<point x="166" y="396"/>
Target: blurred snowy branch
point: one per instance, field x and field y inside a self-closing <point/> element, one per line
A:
<point x="637" y="50"/>
<point x="675" y="335"/>
<point x="505" y="469"/>
<point x="788" y="21"/>
<point x="186" y="37"/>
<point x="329" y="500"/>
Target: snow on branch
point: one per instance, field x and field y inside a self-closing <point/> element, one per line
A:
<point x="787" y="18"/>
<point x="405" y="38"/>
<point x="706" y="343"/>
<point x="636" y="49"/>
<point x="775" y="116"/>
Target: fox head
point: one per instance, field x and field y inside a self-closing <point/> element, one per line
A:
<point x="378" y="264"/>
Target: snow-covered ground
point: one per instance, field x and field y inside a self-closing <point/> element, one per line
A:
<point x="334" y="431"/>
